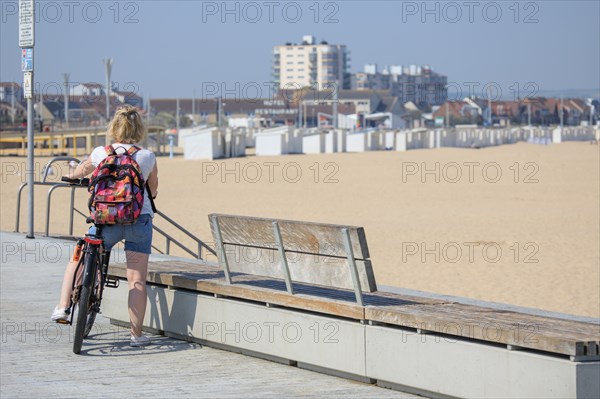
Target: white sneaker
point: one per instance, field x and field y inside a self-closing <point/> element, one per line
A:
<point x="60" y="315"/>
<point x="142" y="340"/>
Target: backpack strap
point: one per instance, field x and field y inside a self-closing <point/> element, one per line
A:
<point x="110" y="150"/>
<point x="133" y="149"/>
<point x="151" y="198"/>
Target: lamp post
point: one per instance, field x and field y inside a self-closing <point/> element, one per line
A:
<point x="108" y="69"/>
<point x="12" y="101"/>
<point x="335" y="105"/>
<point x="66" y="98"/>
<point x="194" y="107"/>
<point x="562" y="112"/>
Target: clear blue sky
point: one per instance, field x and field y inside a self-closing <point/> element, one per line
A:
<point x="170" y="47"/>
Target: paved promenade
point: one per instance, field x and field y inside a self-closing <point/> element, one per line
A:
<point x="36" y="358"/>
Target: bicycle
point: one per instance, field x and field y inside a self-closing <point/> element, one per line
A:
<point x="87" y="289"/>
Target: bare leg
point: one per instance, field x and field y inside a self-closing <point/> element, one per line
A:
<point x="67" y="285"/>
<point x="137" y="268"/>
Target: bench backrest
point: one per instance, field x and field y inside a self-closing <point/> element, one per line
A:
<point x="315" y="252"/>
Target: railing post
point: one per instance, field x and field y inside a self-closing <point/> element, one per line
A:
<point x="48" y="206"/>
<point x="168" y="249"/>
<point x="74" y="146"/>
<point x="72" y="211"/>
<point x="352" y="266"/>
<point x="19" y="191"/>
<point x="221" y="247"/>
<point x="284" y="263"/>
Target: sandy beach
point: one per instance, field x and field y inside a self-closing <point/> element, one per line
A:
<point x="517" y="224"/>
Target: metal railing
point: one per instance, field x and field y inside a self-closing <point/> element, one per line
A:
<point x="169" y="239"/>
<point x="54" y="186"/>
<point x="200" y="245"/>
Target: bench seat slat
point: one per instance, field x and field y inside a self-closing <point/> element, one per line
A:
<point x="488" y="324"/>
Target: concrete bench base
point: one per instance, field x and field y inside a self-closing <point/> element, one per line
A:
<point x="392" y="357"/>
<point x="298" y="336"/>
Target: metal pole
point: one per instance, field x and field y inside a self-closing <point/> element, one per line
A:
<point x="177" y="116"/>
<point x="335" y="105"/>
<point x="220" y="105"/>
<point x="66" y="98"/>
<point x="39" y="115"/>
<point x="284" y="263"/>
<point x="490" y="104"/>
<point x="304" y="114"/>
<point x="221" y="247"/>
<point x="562" y="111"/>
<point x="48" y="205"/>
<point x="148" y="115"/>
<point x="72" y="210"/>
<point x="17" y="219"/>
<point x="194" y="107"/>
<point x="29" y="171"/>
<point x="12" y="101"/>
<point x="352" y="265"/>
<point x="299" y="113"/>
<point x="108" y="68"/>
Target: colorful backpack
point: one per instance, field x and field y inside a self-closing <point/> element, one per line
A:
<point x="117" y="188"/>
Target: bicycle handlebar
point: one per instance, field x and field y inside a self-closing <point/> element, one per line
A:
<point x="83" y="182"/>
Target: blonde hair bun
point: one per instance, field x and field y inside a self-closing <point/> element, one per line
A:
<point x="126" y="126"/>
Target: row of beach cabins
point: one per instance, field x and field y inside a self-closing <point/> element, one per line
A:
<point x="215" y="143"/>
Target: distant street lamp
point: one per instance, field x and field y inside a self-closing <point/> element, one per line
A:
<point x="66" y="95"/>
<point x="108" y="69"/>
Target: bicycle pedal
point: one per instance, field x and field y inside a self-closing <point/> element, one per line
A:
<point x="66" y="322"/>
<point x="112" y="283"/>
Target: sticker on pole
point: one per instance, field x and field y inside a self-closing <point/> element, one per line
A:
<point x="26" y="19"/>
<point x="27" y="59"/>
<point x="28" y="85"/>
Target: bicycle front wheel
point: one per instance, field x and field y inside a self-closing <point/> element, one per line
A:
<point x="86" y="303"/>
<point x="93" y="306"/>
<point x="82" y="317"/>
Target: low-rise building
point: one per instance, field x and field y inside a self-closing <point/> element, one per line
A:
<point x="534" y="110"/>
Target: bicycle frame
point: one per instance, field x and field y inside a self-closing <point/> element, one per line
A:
<point x="93" y="246"/>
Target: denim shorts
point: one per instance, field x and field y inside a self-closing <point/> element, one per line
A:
<point x="137" y="236"/>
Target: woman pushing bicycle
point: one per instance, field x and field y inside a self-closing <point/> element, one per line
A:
<point x="124" y="180"/>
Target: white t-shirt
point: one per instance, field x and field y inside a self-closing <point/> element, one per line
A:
<point x="144" y="158"/>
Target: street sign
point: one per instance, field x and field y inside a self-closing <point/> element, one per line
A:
<point x="27" y="59"/>
<point x="28" y="85"/>
<point x="26" y="19"/>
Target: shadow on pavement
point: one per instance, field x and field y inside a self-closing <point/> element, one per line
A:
<point x="111" y="344"/>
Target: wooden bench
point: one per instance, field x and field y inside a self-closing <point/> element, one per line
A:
<point x="314" y="275"/>
<point x="325" y="268"/>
